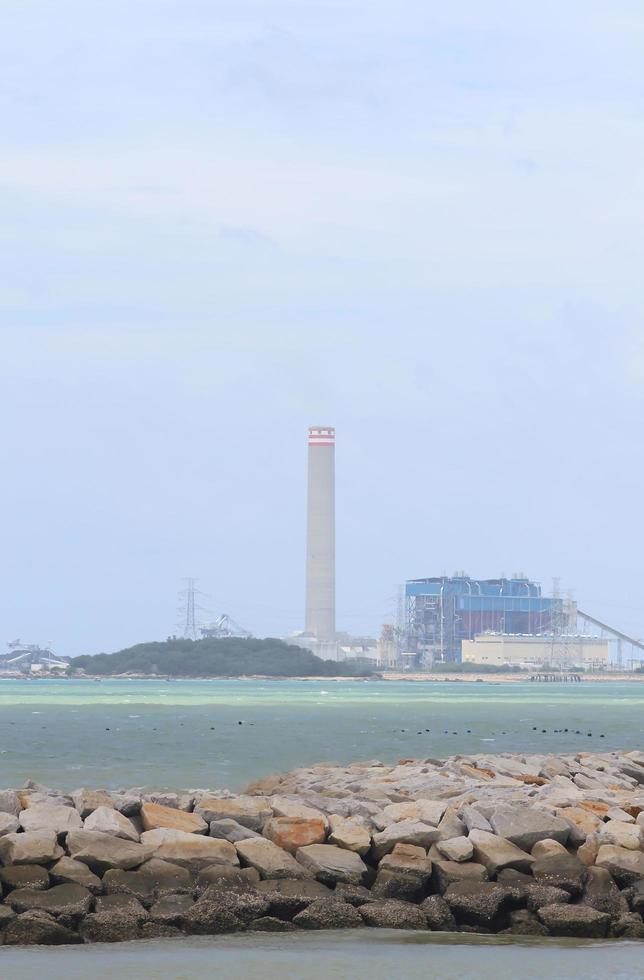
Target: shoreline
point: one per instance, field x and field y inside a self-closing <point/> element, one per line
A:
<point x="416" y="678"/>
<point x="511" y="845"/>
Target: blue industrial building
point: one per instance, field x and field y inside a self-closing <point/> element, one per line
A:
<point x="441" y="612"/>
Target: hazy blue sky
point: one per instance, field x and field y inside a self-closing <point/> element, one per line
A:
<point x="225" y="221"/>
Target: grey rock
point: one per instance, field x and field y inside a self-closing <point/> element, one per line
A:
<point x="392" y="914"/>
<point x="31" y="847"/>
<point x="574" y="920"/>
<point x="270" y="860"/>
<point x="124" y="904"/>
<point x="38" y="929"/>
<point x="446" y="873"/>
<point x="601" y="893"/>
<point x="107" y="820"/>
<point x="268" y="923"/>
<point x="171" y="909"/>
<point x="561" y="872"/>
<point x="88" y="800"/>
<point x="109" y="927"/>
<point x="102" y="852"/>
<point x="628" y="926"/>
<point x="626" y="866"/>
<point x="523" y="922"/>
<point x="151" y="881"/>
<point x="525" y="826"/>
<point x="70" y="900"/>
<point x="9" y="823"/>
<point x="288" y="897"/>
<point x="47" y="816"/>
<point x="232" y="831"/>
<point x="9" y="802"/>
<point x="403" y="832"/>
<point x="226" y="876"/>
<point x="328" y="913"/>
<point x="474" y="820"/>
<point x="24" y="876"/>
<point x="480" y="903"/>
<point x="495" y="853"/>
<point x="330" y="864"/>
<point x="355" y="895"/>
<point x="67" y="871"/>
<point x="438" y="914"/>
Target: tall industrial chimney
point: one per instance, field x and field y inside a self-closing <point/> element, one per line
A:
<point x="320" y="538"/>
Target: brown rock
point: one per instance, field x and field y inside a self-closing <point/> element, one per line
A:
<point x="293" y="832"/>
<point x="154" y="817"/>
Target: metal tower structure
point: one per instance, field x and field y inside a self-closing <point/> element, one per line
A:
<point x="188" y="609"/>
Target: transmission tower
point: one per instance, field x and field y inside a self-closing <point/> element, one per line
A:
<point x="188" y="609"/>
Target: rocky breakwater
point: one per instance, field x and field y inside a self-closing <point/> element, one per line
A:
<point x="522" y="845"/>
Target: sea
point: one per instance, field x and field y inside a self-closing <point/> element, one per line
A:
<point x="179" y="735"/>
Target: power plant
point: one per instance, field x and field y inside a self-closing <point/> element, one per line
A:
<point x="442" y="620"/>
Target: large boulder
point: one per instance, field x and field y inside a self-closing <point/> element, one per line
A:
<point x="626" y="866"/>
<point x="287" y="897"/>
<point x="446" y="873"/>
<point x="601" y="893"/>
<point x="107" y="820"/>
<point x="9" y="824"/>
<point x="31" y="847"/>
<point x="171" y="909"/>
<point x="330" y="864"/>
<point x="190" y="850"/>
<point x="404" y="874"/>
<point x="36" y="928"/>
<point x="69" y="900"/>
<point x="216" y="911"/>
<point x="525" y="825"/>
<point x="69" y="871"/>
<point x="291" y="833"/>
<point x="151" y="881"/>
<point x="438" y="914"/>
<point x="403" y="832"/>
<point x="10" y="802"/>
<point x="621" y="834"/>
<point x="561" y="871"/>
<point x="23" y="876"/>
<point x="480" y="903"/>
<point x="226" y="876"/>
<point x="115" y="926"/>
<point x="628" y="926"/>
<point x="48" y="816"/>
<point x="393" y="914"/>
<point x="283" y="807"/>
<point x="495" y="853"/>
<point x="231" y="831"/>
<point x="270" y="860"/>
<point x="328" y="913"/>
<point x="523" y="922"/>
<point x="101" y="852"/>
<point x="125" y="904"/>
<point x="456" y="849"/>
<point x="349" y="833"/>
<point x="154" y="816"/>
<point x="88" y="800"/>
<point x="580" y="821"/>
<point x="579" y="921"/>
<point x="249" y="811"/>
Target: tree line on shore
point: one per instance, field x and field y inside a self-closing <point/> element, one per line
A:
<point x="226" y="657"/>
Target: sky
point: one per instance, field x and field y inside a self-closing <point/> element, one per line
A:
<point x="222" y="222"/>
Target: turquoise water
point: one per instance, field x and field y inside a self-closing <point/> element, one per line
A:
<point x="376" y="955"/>
<point x="186" y="734"/>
